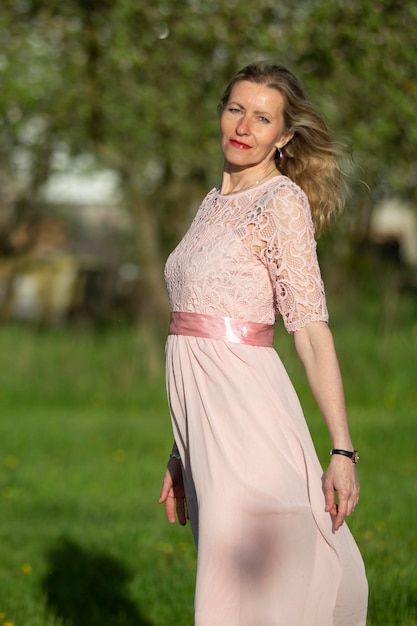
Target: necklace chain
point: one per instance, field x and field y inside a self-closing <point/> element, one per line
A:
<point x="257" y="182"/>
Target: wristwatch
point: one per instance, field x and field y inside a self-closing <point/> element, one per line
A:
<point x="354" y="455"/>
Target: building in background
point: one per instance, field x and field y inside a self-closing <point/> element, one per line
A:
<point x="394" y="227"/>
<point x="73" y="261"/>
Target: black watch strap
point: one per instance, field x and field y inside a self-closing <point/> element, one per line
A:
<point x="353" y="455"/>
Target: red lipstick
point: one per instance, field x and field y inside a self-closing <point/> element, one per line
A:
<point x="239" y="145"/>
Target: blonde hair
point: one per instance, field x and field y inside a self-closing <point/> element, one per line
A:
<point x="310" y="158"/>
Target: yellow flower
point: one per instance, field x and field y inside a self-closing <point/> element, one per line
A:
<point x="26" y="568"/>
<point x="166" y="548"/>
<point x="119" y="456"/>
<point x="8" y="624"/>
<point x="3" y="615"/>
<point x="183" y="547"/>
<point x="11" y="461"/>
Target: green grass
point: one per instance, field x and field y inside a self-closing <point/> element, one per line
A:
<point x="84" y="437"/>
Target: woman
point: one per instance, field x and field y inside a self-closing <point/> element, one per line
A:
<point x="272" y="547"/>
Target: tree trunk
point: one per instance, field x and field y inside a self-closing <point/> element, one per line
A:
<point x="153" y="315"/>
<point x="150" y="253"/>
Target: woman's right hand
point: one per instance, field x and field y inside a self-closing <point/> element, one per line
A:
<point x="173" y="494"/>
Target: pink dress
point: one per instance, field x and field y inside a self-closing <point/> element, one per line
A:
<point x="266" y="552"/>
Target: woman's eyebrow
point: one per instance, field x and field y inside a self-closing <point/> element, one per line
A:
<point x="258" y="112"/>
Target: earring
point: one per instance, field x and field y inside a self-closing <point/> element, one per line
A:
<point x="279" y="153"/>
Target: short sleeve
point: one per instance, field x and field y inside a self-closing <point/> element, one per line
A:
<point x="290" y="255"/>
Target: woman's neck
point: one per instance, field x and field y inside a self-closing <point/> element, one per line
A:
<point x="234" y="181"/>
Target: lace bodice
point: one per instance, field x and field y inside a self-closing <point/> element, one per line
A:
<point x="250" y="256"/>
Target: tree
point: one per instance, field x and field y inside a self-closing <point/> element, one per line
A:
<point x="360" y="56"/>
<point x="137" y="85"/>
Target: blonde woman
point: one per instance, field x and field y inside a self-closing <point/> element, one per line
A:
<point x="268" y="524"/>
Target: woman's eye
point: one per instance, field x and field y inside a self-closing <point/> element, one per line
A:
<point x="233" y="110"/>
<point x="264" y="119"/>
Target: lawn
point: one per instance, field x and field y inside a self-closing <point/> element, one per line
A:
<point x="84" y="438"/>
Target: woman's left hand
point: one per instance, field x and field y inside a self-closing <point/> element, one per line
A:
<point x="340" y="479"/>
<point x="173" y="493"/>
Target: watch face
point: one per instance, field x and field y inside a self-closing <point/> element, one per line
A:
<point x="355" y="456"/>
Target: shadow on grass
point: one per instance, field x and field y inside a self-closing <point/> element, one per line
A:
<point x="88" y="588"/>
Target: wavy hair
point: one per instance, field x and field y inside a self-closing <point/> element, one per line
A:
<point x="310" y="158"/>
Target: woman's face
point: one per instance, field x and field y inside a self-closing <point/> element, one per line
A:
<point x="252" y="125"/>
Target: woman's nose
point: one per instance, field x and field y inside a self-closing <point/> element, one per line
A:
<point x="242" y="127"/>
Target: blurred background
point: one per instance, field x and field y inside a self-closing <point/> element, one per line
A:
<point x="109" y="139"/>
<point x="108" y="142"/>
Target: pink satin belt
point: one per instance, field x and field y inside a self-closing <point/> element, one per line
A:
<point x="223" y="328"/>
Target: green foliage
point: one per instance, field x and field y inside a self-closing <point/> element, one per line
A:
<point x="359" y="56"/>
<point x="141" y="81"/>
<point x="84" y="438"/>
<point x="136" y="85"/>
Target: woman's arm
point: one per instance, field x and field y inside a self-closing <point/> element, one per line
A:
<point x="315" y="347"/>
